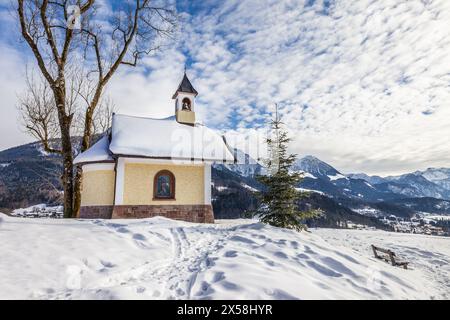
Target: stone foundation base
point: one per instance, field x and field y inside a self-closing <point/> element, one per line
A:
<point x="191" y="213"/>
<point x="96" y="212"/>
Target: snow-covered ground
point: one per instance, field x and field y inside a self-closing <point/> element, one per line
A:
<point x="159" y="258"/>
<point x="429" y="256"/>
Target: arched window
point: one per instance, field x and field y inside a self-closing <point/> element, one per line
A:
<point x="186" y="104"/>
<point x="164" y="185"/>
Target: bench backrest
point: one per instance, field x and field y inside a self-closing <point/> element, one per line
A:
<point x="385" y="251"/>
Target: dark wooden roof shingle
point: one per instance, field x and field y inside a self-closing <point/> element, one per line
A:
<point x="185" y="86"/>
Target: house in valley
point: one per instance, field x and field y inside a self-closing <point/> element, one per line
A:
<point x="145" y="167"/>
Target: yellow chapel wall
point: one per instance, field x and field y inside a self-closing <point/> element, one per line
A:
<point x="97" y="188"/>
<point x="138" y="184"/>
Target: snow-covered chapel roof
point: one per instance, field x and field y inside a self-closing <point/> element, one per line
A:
<point x="98" y="152"/>
<point x="159" y="139"/>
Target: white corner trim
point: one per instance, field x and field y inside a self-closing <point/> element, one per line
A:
<point x="120" y="181"/>
<point x="207" y="183"/>
<point x="97" y="166"/>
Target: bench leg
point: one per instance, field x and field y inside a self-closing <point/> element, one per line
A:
<point x="391" y="256"/>
<point x="375" y="252"/>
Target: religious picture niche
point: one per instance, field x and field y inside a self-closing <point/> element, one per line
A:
<point x="164" y="185"/>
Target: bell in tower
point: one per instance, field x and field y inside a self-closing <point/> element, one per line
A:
<point x="184" y="102"/>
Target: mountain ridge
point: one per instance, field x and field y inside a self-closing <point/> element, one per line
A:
<point x="433" y="182"/>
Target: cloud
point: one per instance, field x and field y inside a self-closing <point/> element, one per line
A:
<point x="363" y="85"/>
<point x="148" y="89"/>
<point x="11" y="84"/>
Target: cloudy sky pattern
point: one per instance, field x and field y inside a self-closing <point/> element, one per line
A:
<point x="363" y="85"/>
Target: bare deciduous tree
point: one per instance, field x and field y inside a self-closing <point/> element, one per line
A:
<point x="63" y="33"/>
<point x="39" y="116"/>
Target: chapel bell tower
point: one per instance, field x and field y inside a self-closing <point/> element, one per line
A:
<point x="185" y="102"/>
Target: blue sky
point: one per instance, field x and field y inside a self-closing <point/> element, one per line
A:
<point x="363" y="85"/>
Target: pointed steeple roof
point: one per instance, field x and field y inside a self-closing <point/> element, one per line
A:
<point x="185" y="86"/>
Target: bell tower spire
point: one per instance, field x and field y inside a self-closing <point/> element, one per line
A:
<point x="185" y="101"/>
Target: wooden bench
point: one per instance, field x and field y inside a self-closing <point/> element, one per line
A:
<point x="389" y="256"/>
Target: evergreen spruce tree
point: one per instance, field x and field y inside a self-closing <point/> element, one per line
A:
<point x="279" y="196"/>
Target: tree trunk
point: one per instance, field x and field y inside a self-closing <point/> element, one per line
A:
<point x="86" y="140"/>
<point x="66" y="148"/>
<point x="67" y="171"/>
<point x="77" y="193"/>
<point x="88" y="119"/>
<point x="68" y="186"/>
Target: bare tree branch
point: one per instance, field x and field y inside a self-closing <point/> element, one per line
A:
<point x="48" y="32"/>
<point x="38" y="114"/>
<point x="31" y="42"/>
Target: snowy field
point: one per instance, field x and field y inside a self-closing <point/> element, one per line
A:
<point x="159" y="258"/>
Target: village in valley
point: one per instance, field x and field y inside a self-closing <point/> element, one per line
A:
<point x="413" y="225"/>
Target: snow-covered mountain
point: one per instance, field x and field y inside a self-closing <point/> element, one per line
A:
<point x="311" y="166"/>
<point x="320" y="176"/>
<point x="317" y="168"/>
<point x="415" y="185"/>
<point x="365" y="177"/>
<point x="440" y="176"/>
<point x="246" y="166"/>
<point x="433" y="182"/>
<point x="403" y="195"/>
